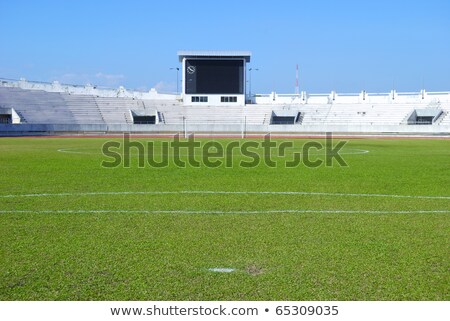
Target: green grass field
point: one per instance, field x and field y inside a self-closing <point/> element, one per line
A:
<point x="73" y="230"/>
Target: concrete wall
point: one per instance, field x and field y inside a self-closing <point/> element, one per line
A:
<point x="30" y="129"/>
<point x="15" y="117"/>
<point x="88" y="89"/>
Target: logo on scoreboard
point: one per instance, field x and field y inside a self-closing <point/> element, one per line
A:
<point x="191" y="70"/>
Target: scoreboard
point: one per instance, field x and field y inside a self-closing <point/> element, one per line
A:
<point x="214" y="76"/>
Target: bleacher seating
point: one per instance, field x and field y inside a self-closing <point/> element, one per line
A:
<point x="116" y="110"/>
<point x="45" y="107"/>
<point x="368" y="114"/>
<point x="37" y="107"/>
<point x="314" y="114"/>
<point x="83" y="109"/>
<point x="215" y="115"/>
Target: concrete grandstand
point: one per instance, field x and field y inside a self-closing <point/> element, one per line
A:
<point x="31" y="108"/>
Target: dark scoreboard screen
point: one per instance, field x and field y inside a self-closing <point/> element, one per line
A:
<point x="214" y="76"/>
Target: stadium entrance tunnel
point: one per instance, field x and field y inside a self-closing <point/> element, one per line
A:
<point x="144" y="117"/>
<point x="285" y="117"/>
<point x="9" y="116"/>
<point x="425" y="116"/>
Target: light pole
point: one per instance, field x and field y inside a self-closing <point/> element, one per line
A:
<point x="250" y="82"/>
<point x="178" y="69"/>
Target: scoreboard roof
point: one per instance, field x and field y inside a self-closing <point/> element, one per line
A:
<point x="214" y="53"/>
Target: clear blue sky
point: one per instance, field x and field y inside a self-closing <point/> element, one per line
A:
<point x="341" y="45"/>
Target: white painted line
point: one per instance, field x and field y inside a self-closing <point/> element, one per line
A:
<point x="86" y="194"/>
<point x="289" y="211"/>
<point x="76" y="151"/>
<point x="318" y="193"/>
<point x="348" y="151"/>
<point x="222" y="270"/>
<point x="227" y="193"/>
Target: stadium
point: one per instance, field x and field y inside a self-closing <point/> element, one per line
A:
<point x="215" y="99"/>
<point x="372" y="227"/>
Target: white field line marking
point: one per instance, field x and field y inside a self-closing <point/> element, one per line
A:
<point x="348" y="151"/>
<point x="221" y="212"/>
<point x="227" y="193"/>
<point x="222" y="270"/>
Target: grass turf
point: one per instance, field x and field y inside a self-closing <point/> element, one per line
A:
<point x="110" y="255"/>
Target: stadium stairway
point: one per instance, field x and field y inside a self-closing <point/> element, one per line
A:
<point x="114" y="110"/>
<point x="84" y="109"/>
<point x="445" y="120"/>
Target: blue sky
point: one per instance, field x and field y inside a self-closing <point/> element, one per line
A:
<point x="341" y="45"/>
